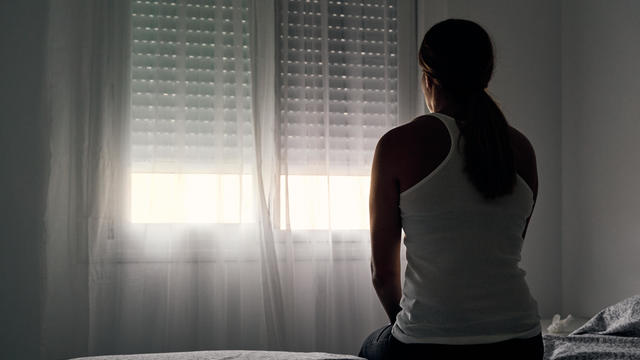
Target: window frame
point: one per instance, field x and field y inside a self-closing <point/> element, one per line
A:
<point x="408" y="86"/>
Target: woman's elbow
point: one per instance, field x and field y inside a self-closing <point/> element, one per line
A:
<point x="381" y="279"/>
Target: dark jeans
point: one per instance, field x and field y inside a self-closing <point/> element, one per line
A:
<point x="382" y="345"/>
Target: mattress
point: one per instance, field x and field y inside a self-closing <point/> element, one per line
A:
<point x="227" y="355"/>
<point x="614" y="333"/>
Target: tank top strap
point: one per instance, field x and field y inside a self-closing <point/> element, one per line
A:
<point x="450" y="123"/>
<point x="453" y="155"/>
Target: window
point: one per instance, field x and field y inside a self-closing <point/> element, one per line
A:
<point x="191" y="109"/>
<point x="338" y="84"/>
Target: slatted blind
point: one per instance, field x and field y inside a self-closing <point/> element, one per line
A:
<point x="191" y="86"/>
<point x="338" y="81"/>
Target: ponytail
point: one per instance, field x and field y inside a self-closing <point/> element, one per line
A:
<point x="488" y="154"/>
<point x="457" y="56"/>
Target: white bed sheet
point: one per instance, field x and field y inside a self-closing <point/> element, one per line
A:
<point x="227" y="355"/>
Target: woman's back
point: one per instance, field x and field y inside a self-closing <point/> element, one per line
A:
<point x="463" y="190"/>
<point x="462" y="282"/>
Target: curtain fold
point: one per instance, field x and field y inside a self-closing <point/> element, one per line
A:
<point x="209" y="173"/>
<point x="87" y="95"/>
<point x="262" y="49"/>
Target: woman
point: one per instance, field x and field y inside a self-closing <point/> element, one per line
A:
<point x="462" y="184"/>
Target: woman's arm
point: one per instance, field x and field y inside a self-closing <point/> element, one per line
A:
<point x="385" y="225"/>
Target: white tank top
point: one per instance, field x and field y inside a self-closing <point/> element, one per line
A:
<point x="462" y="283"/>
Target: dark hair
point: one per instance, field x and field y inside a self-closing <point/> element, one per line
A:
<point x="457" y="56"/>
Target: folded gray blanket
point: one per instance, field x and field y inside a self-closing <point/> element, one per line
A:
<point x="621" y="319"/>
<point x="613" y="333"/>
<point x="583" y="347"/>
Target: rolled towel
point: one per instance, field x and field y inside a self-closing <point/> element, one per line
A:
<point x="562" y="326"/>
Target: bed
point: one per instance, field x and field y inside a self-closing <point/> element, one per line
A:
<point x="613" y="333"/>
<point x="228" y="355"/>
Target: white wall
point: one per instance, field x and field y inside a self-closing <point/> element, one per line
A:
<point x="526" y="84"/>
<point x="600" y="153"/>
<point x="23" y="176"/>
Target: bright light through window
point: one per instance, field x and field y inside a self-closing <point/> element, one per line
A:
<point x="214" y="198"/>
<point x="311" y="207"/>
<point x="191" y="198"/>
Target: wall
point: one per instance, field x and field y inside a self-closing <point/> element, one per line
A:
<point x="600" y="153"/>
<point x="23" y="179"/>
<point x="526" y="84"/>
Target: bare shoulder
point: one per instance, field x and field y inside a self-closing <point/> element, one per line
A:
<point x="519" y="138"/>
<point x="402" y="136"/>
<point x="387" y="145"/>
<point x="522" y="146"/>
<point x="411" y="151"/>
<point x="428" y="124"/>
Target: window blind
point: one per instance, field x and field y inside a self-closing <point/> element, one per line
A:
<point x="191" y="86"/>
<point x="338" y="82"/>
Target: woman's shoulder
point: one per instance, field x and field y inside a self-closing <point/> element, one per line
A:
<point x="522" y="147"/>
<point x="412" y="150"/>
<point x="525" y="158"/>
<point x="423" y="131"/>
<point x="519" y="139"/>
<point x="425" y="124"/>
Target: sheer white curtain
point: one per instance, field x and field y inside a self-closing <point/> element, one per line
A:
<point x="338" y="93"/>
<point x="210" y="163"/>
<point x="87" y="92"/>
